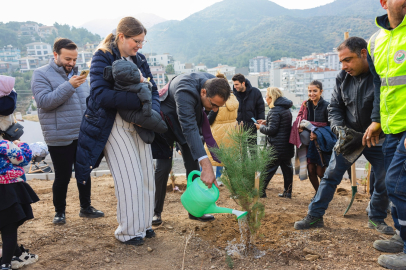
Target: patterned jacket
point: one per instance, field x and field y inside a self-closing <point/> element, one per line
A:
<point x="12" y="160"/>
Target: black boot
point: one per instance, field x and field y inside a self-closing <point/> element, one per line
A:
<point x="285" y="194"/>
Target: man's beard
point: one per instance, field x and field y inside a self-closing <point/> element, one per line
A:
<point x="396" y="14"/>
<point x="60" y="64"/>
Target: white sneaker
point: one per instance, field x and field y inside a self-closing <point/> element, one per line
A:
<point x="25" y="259"/>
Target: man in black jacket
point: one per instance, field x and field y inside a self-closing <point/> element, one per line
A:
<point x="351" y="107"/>
<point x="252" y="104"/>
<point x="182" y="108"/>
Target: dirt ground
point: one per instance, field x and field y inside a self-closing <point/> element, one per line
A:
<point x="344" y="242"/>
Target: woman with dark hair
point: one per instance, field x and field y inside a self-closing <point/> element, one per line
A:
<point x="103" y="131"/>
<point x="313" y="113"/>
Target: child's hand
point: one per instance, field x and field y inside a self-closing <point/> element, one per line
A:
<point x="16" y="142"/>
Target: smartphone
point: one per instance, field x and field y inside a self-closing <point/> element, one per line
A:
<point x="84" y="73"/>
<point x="255" y="121"/>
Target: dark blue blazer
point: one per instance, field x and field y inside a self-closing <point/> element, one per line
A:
<point x="183" y="110"/>
<point x="102" y="106"/>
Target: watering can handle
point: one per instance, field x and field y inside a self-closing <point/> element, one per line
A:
<point x="190" y="177"/>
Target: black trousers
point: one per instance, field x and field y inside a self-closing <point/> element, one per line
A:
<point x="163" y="168"/>
<point x="287" y="171"/>
<point x="63" y="158"/>
<point x="9" y="239"/>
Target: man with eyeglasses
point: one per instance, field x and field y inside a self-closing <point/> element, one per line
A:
<point x="183" y="108"/>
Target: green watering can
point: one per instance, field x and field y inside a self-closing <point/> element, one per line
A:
<point x="198" y="199"/>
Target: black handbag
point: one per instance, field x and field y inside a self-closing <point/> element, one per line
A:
<point x="14" y="132"/>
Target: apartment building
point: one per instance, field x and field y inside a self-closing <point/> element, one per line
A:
<point x="224" y="69"/>
<point x="159" y="59"/>
<point x="10" y="54"/>
<point x="158" y="72"/>
<point x="28" y="63"/>
<point x="39" y="50"/>
<point x="259" y="64"/>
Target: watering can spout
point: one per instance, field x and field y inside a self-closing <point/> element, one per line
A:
<point x="215" y="209"/>
<point x="239" y="214"/>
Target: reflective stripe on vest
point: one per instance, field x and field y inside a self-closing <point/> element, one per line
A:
<point x="372" y="42"/>
<point x="394" y="81"/>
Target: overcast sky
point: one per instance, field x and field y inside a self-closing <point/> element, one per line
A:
<point x="78" y="12"/>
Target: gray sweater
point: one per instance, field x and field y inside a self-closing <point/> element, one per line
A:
<point x="60" y="106"/>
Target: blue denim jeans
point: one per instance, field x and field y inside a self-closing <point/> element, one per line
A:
<point x="219" y="171"/>
<point x="395" y="165"/>
<point x="334" y="174"/>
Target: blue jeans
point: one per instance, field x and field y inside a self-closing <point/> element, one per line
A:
<point x="219" y="171"/>
<point x="334" y="174"/>
<point x="395" y="165"/>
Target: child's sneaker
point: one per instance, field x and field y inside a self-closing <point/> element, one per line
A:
<point x="5" y="266"/>
<point x="24" y="259"/>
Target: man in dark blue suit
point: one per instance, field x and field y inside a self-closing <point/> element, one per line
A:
<point x="182" y="107"/>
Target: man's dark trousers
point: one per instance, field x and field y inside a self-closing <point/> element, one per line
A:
<point x="63" y="157"/>
<point x="164" y="166"/>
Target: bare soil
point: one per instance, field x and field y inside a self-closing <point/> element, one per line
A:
<point x="344" y="242"/>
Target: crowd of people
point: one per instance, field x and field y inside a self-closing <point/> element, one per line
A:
<point x="85" y="122"/>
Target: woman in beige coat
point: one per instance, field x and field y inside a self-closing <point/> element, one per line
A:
<point x="225" y="120"/>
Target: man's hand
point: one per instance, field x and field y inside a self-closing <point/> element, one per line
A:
<point x="261" y="122"/>
<point x="371" y="135"/>
<point x="257" y="125"/>
<point x="300" y="130"/>
<point x="207" y="176"/>
<point x="313" y="136"/>
<point x="76" y="81"/>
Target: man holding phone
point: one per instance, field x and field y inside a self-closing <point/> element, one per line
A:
<point x="61" y="95"/>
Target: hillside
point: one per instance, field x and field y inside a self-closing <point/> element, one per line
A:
<point x="232" y="31"/>
<point x="104" y="26"/>
<point x="9" y="35"/>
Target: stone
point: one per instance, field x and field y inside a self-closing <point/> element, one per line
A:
<point x="149" y="249"/>
<point x="169" y="227"/>
<point x="107" y="260"/>
<point x="309" y="251"/>
<point x="311" y="257"/>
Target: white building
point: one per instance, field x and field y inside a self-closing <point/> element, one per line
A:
<point x="298" y="79"/>
<point x="28" y="63"/>
<point x="45" y="31"/>
<point x="160" y="59"/>
<point x="332" y="61"/>
<point x="259" y="64"/>
<point x="84" y="59"/>
<point x="181" y="68"/>
<point x="39" y="50"/>
<point x="158" y="72"/>
<point x="10" y="54"/>
<point x="224" y="69"/>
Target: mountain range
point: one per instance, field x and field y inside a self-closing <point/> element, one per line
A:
<point x="104" y="26"/>
<point x="233" y="31"/>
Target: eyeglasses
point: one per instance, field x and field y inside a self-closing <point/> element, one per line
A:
<point x="214" y="106"/>
<point x="139" y="42"/>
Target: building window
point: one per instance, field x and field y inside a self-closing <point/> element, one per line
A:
<point x="38" y="47"/>
<point x="45" y="52"/>
<point x="44" y="46"/>
<point x="39" y="53"/>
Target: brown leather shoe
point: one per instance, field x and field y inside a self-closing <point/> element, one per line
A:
<point x="203" y="218"/>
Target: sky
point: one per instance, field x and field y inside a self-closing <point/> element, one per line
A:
<point x="77" y="13"/>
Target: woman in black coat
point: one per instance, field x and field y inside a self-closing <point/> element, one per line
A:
<point x="277" y="127"/>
